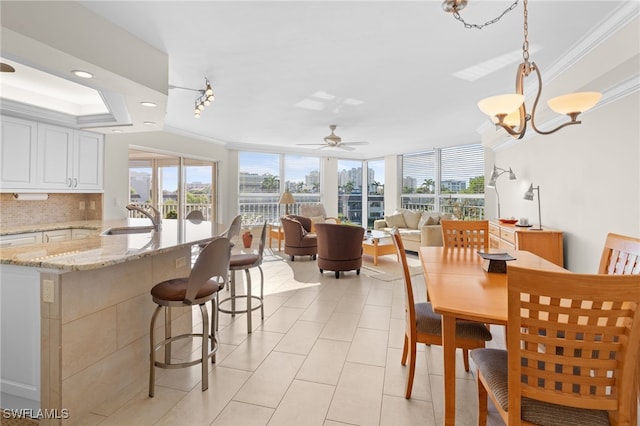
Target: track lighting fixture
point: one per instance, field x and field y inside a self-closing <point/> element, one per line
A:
<point x="205" y="97"/>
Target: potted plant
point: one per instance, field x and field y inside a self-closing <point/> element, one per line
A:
<point x="247" y="238"/>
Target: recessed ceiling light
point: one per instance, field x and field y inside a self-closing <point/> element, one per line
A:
<point x="82" y="74"/>
<point x="148" y="104"/>
<point x="150" y="123"/>
<point x="117" y="131"/>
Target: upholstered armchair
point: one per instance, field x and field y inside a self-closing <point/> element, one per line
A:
<point x="339" y="247"/>
<point x="317" y="213"/>
<point x="298" y="240"/>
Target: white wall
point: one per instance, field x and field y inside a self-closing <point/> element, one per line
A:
<point x="589" y="177"/>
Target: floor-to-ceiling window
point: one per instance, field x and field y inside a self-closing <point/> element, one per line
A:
<point x="350" y="183"/>
<point x="375" y="191"/>
<point x="302" y="178"/>
<point x="448" y="180"/>
<point x="263" y="177"/>
<point x="259" y="187"/>
<point x="172" y="184"/>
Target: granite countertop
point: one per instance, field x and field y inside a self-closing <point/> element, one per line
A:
<point x="104" y="250"/>
<point x="78" y="224"/>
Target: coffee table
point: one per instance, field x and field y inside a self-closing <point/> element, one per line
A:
<point x="378" y="243"/>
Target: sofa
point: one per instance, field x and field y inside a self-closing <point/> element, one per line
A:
<point x="417" y="228"/>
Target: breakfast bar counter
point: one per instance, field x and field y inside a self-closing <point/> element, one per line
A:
<point x="75" y="314"/>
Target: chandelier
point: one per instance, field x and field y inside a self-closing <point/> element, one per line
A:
<point x="509" y="111"/>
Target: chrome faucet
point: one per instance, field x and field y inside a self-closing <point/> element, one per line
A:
<point x="156" y="217"/>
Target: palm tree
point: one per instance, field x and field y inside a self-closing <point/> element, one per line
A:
<point x="270" y="183"/>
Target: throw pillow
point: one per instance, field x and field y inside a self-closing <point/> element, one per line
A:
<point x="428" y="218"/>
<point x="412" y="218"/>
<point x="303" y="231"/>
<point x="396" y="220"/>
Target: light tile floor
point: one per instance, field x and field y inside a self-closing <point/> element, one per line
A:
<point x="327" y="353"/>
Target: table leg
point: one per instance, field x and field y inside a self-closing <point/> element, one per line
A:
<point x="279" y="239"/>
<point x="375" y="252"/>
<point x="449" y="355"/>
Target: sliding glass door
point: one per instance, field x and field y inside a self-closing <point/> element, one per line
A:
<point x="172" y="184"/>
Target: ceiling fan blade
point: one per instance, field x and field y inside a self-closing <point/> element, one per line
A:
<point x="355" y="143"/>
<point x="310" y="144"/>
<point x="345" y="147"/>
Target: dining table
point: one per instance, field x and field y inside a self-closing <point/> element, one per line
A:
<point x="459" y="287"/>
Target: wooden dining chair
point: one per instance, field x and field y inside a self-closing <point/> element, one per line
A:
<point x="425" y="326"/>
<point x="572" y="349"/>
<point x="466" y="233"/>
<point x="620" y="255"/>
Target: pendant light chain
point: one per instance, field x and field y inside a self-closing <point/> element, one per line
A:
<point x="456" y="15"/>
<point x="525" y="44"/>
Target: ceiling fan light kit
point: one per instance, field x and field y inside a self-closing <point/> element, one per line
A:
<point x="509" y="111"/>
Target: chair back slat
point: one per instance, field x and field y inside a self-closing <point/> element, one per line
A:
<point x="573" y="339"/>
<point x="621" y="255"/>
<point x="466" y="233"/>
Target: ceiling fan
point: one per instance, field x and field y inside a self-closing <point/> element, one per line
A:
<point x="335" y="141"/>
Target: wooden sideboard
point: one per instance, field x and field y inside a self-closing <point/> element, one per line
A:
<point x="546" y="243"/>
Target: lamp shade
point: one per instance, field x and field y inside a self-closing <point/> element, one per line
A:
<point x="286" y="198"/>
<point x="529" y="194"/>
<point x="501" y="104"/>
<point x="574" y="102"/>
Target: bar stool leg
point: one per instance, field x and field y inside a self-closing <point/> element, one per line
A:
<point x="152" y="353"/>
<point x="205" y="350"/>
<point x="248" y="274"/>
<point x="232" y="287"/>
<point x="167" y="334"/>
<point x="261" y="292"/>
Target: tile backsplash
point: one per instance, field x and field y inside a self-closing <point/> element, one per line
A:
<point x="57" y="208"/>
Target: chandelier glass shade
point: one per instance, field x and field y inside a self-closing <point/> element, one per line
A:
<point x="509" y="111"/>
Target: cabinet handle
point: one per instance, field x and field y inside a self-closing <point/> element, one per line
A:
<point x="69" y="184"/>
<point x="75" y="182"/>
<point x="47" y="237"/>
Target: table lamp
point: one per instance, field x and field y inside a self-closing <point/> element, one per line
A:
<point x="529" y="196"/>
<point x="497" y="172"/>
<point x="286" y="198"/>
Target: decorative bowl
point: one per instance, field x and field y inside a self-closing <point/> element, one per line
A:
<point x="509" y="221"/>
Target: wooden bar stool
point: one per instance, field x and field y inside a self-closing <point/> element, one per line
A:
<point x="246" y="261"/>
<point x="207" y="278"/>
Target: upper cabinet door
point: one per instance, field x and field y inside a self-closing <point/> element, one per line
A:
<point x="18" y="145"/>
<point x="88" y="161"/>
<point x="55" y="153"/>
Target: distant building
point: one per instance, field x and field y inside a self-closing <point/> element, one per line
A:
<point x="454" y="185"/>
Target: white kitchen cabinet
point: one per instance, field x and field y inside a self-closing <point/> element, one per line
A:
<point x="56" y="235"/>
<point x="15" y="240"/>
<point x="80" y="233"/>
<point x="20" y="329"/>
<point x="48" y="158"/>
<point x="69" y="159"/>
<point x="55" y="155"/>
<point x="18" y="146"/>
<point x="88" y="161"/>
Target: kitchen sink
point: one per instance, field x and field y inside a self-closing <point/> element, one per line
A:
<point x="128" y="230"/>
